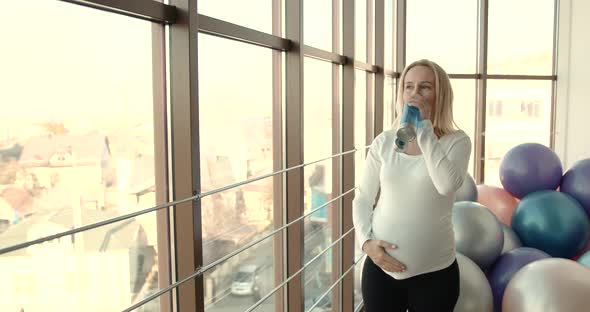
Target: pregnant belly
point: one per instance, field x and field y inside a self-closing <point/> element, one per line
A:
<point x="421" y="247"/>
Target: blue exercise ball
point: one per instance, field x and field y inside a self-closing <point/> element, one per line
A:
<point x="467" y="191"/>
<point x="585" y="259"/>
<point x="529" y="168"/>
<point x="553" y="222"/>
<point x="576" y="182"/>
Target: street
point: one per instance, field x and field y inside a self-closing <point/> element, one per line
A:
<point x="316" y="280"/>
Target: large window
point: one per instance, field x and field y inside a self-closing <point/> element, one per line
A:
<point x="388" y="34"/>
<point x="444" y="32"/>
<point x="235" y="120"/>
<point x="254" y="14"/>
<point x="516" y="79"/>
<point x="317" y="21"/>
<point x="464" y="110"/>
<point x="519" y="111"/>
<point x="360" y="30"/>
<point x="154" y="159"/>
<point x="451" y="43"/>
<point x="389" y="93"/>
<point x="317" y="177"/>
<point x="507" y="26"/>
<point x="77" y="147"/>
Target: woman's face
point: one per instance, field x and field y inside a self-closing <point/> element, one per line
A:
<point x="419" y="86"/>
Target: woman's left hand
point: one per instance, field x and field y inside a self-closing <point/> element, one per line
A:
<point x="418" y="101"/>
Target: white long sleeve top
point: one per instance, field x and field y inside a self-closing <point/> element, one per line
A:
<point x="414" y="210"/>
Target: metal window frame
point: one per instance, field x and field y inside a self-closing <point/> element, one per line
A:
<point x="323" y="55"/>
<point x="480" y="91"/>
<point x="161" y="163"/>
<point x="379" y="62"/>
<point x="399" y="45"/>
<point x="552" y="131"/>
<point x="400" y="36"/>
<point x="294" y="151"/>
<point x="370" y="30"/>
<point x="366" y="66"/>
<point x="370" y="76"/>
<point x="390" y="73"/>
<point x="335" y="219"/>
<point x="216" y="27"/>
<point x="148" y="10"/>
<point x="279" y="240"/>
<point x="347" y="141"/>
<point x="184" y="106"/>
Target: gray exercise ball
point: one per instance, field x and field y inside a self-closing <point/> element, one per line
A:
<point x="475" y="291"/>
<point x="549" y="285"/>
<point x="467" y="191"/>
<point x="478" y="233"/>
<point x="511" y="240"/>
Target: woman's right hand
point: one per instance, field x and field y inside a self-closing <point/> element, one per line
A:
<point x="375" y="249"/>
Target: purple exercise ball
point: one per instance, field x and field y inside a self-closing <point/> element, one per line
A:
<point x="501" y="272"/>
<point x="576" y="182"/>
<point x="528" y="168"/>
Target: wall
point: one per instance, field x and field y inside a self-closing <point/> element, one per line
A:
<point x="572" y="141"/>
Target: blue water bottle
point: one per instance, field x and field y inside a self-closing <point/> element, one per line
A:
<point x="406" y="132"/>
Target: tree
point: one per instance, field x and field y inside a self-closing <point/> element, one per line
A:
<point x="55" y="128"/>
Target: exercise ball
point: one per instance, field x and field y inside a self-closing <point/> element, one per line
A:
<point x="585" y="259"/>
<point x="506" y="266"/>
<point x="475" y="294"/>
<point x="498" y="200"/>
<point x="467" y="191"/>
<point x="576" y="182"/>
<point x="478" y="234"/>
<point x="511" y="240"/>
<point x="529" y="168"/>
<point x="584" y="250"/>
<point x="553" y="222"/>
<point x="549" y="285"/>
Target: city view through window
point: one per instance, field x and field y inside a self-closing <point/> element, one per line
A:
<point x="77" y="142"/>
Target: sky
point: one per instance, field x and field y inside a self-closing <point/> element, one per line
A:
<point x="65" y="61"/>
<point x="107" y="58"/>
<point x="88" y="67"/>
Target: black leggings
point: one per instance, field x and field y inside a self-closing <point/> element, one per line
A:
<point x="431" y="292"/>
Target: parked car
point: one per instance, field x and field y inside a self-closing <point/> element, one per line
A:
<point x="245" y="281"/>
<point x="324" y="305"/>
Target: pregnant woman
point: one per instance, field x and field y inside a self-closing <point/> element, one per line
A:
<point x="408" y="235"/>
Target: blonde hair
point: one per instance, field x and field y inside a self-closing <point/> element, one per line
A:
<point x="442" y="118"/>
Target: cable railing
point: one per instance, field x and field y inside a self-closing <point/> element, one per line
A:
<point x="313" y="306"/>
<point x="274" y="290"/>
<point x="161" y="206"/>
<point x="215" y="263"/>
<point x="359" y="307"/>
